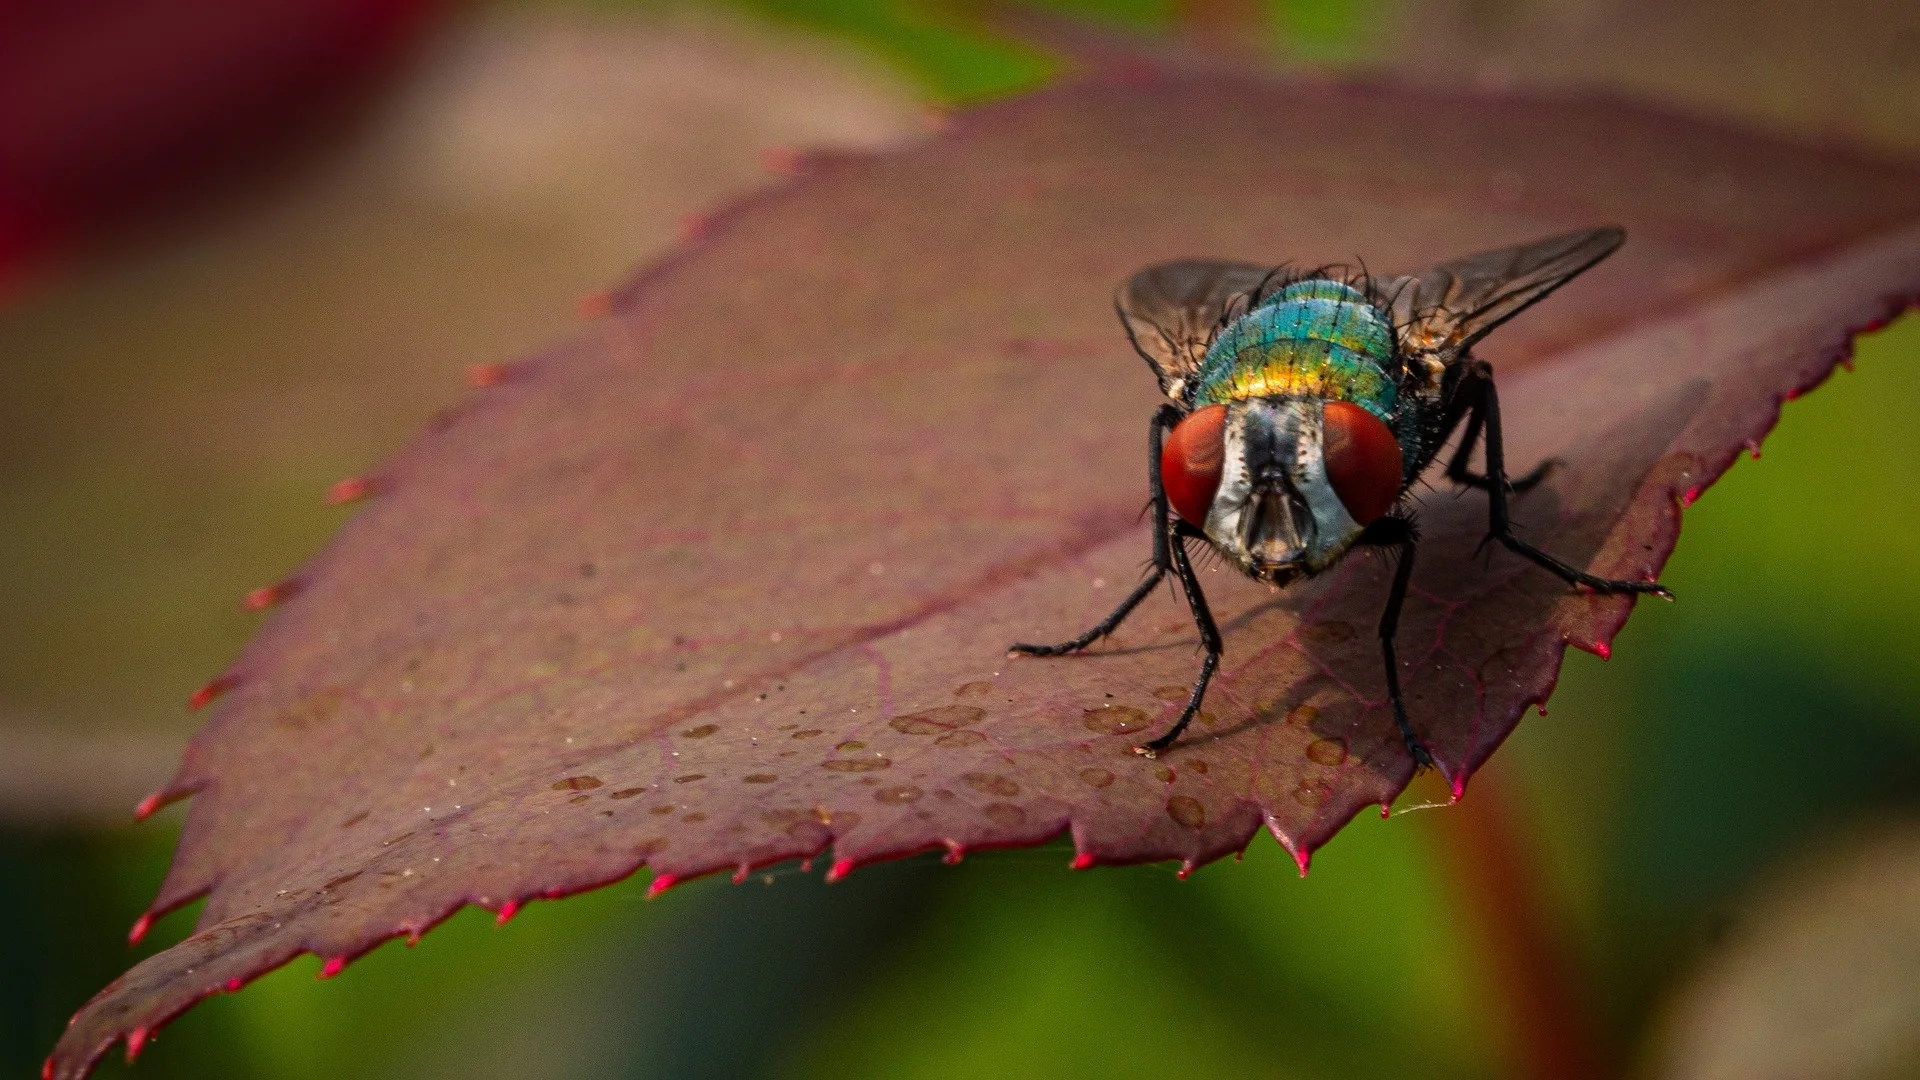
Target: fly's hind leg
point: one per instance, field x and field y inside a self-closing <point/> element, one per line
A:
<point x="1163" y="420"/>
<point x="1459" y="472"/>
<point x="1500" y="526"/>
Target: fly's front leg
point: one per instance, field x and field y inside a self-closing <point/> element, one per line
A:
<point x="1209" y="637"/>
<point x="1500" y="527"/>
<point x="1398" y="533"/>
<point x="1457" y="468"/>
<point x="1163" y="421"/>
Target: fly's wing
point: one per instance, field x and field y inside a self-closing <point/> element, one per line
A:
<point x="1172" y="311"/>
<point x="1452" y="305"/>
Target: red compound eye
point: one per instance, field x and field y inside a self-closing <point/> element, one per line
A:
<point x="1363" y="460"/>
<point x="1190" y="463"/>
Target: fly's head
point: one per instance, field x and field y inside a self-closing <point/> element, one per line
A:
<point x="1282" y="486"/>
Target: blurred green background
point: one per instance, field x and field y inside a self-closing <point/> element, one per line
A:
<point x="172" y="409"/>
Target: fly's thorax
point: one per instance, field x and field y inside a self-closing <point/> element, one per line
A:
<point x="1275" y="513"/>
<point x="1314" y="338"/>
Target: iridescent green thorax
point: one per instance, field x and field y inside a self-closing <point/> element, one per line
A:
<point x="1314" y="338"/>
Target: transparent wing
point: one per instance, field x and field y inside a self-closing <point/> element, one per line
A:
<point x="1454" y="304"/>
<point x="1172" y="310"/>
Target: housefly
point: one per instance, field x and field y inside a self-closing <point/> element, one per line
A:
<point x="1304" y="405"/>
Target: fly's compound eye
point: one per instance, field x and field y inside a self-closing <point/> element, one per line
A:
<point x="1363" y="460"/>
<point x="1190" y="463"/>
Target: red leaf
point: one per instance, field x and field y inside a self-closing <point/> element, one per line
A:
<point x="729" y="580"/>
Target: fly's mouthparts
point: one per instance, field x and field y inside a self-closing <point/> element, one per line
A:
<point x="1275" y="525"/>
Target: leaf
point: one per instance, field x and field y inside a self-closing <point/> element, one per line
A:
<point x="730" y="579"/>
<point x="165" y="405"/>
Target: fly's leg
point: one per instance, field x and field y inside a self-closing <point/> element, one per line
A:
<point x="1209" y="637"/>
<point x="1163" y="420"/>
<point x="1397" y="532"/>
<point x="1500" y="527"/>
<point x="1459" y="473"/>
<point x="1100" y="629"/>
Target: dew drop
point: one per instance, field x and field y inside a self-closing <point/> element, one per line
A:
<point x="856" y="764"/>
<point x="1327" y="751"/>
<point x="954" y="740"/>
<point x="991" y="784"/>
<point x="1114" y="719"/>
<point x="1187" y="811"/>
<point x="1005" y="815"/>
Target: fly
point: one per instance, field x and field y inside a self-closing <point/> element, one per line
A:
<point x="1303" y="407"/>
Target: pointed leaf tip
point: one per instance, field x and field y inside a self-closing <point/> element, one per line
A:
<point x="481" y="376"/>
<point x="594" y="305"/>
<point x="841" y="868"/>
<point x="1082" y="861"/>
<point x="268" y="596"/>
<point x="334" y="966"/>
<point x="349" y="490"/>
<point x="210" y="693"/>
<point x="660" y="883"/>
<point x="140" y="927"/>
<point x="507" y="911"/>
